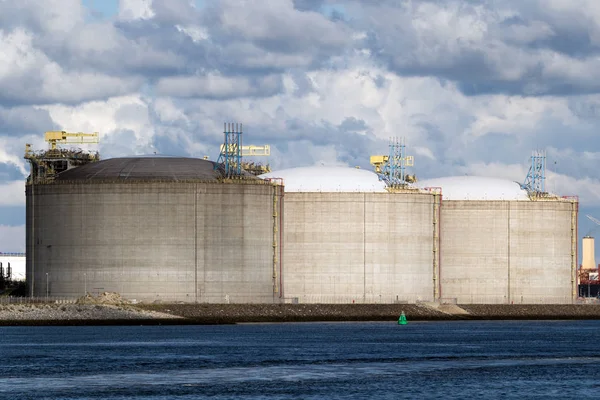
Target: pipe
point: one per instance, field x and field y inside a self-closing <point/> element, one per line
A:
<point x="576" y="237"/>
<point x="33" y="237"/>
<point x="281" y="242"/>
<point x="436" y="245"/>
<point x="195" y="244"/>
<point x="277" y="183"/>
<point x="576" y="289"/>
<point x="437" y="242"/>
<point x="440" y="244"/>
<point x="574" y="245"/>
<point x="275" y="261"/>
<point x="508" y="300"/>
<point x="575" y="211"/>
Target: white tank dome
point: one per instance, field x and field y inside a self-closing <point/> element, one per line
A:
<point x="476" y="188"/>
<point x="328" y="179"/>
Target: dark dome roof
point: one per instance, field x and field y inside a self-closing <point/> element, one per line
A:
<point x="144" y="168"/>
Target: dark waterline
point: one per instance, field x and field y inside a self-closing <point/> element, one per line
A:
<point x="508" y="359"/>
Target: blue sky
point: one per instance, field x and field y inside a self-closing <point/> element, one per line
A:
<point x="102" y="9"/>
<point x="474" y="87"/>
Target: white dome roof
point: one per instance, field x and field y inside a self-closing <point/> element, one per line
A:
<point x="476" y="188"/>
<point x="328" y="179"/>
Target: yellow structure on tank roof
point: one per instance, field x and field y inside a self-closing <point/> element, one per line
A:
<point x="55" y="137"/>
<point x="250" y="150"/>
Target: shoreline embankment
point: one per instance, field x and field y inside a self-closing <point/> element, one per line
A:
<point x="119" y="313"/>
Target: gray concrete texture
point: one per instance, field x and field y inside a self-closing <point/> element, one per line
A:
<point x="211" y="242"/>
<point x="508" y="252"/>
<point x="191" y="242"/>
<point x="358" y="247"/>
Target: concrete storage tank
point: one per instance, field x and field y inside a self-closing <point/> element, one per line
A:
<point x="589" y="258"/>
<point x="499" y="246"/>
<point x="155" y="228"/>
<point x="346" y="239"/>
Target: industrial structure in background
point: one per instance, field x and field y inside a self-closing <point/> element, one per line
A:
<point x="348" y="239"/>
<point x="252" y="167"/>
<point x="231" y="153"/>
<point x="192" y="230"/>
<point x="12" y="266"/>
<point x="535" y="181"/>
<point x="5" y="276"/>
<point x="589" y="281"/>
<point x="47" y="164"/>
<point x="156" y="229"/>
<point x="391" y="168"/>
<point x="468" y="240"/>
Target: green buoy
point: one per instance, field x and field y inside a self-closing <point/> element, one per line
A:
<point x="402" y="319"/>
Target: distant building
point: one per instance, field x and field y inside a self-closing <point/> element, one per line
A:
<point x="16" y="262"/>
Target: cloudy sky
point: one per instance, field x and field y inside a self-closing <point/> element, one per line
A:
<point x="473" y="86"/>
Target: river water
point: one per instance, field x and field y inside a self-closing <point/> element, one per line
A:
<point x="542" y="359"/>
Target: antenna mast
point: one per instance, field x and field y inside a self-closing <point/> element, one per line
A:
<point x="535" y="182"/>
<point x="231" y="151"/>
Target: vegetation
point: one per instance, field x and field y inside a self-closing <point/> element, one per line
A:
<point x="17" y="289"/>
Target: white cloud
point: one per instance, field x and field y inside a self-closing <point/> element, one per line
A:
<point x="262" y="20"/>
<point x="488" y="47"/>
<point x="12" y="193"/>
<point x="56" y="17"/>
<point x="110" y="118"/>
<point x="423" y="151"/>
<point x="513" y="172"/>
<point x="12" y="239"/>
<point x="28" y="76"/>
<point x="218" y="86"/>
<point x="195" y="32"/>
<point x="135" y="9"/>
<point x="12" y="151"/>
<point x="587" y="189"/>
<point x="524" y="34"/>
<point x="168" y="111"/>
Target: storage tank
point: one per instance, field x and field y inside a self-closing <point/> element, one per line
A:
<point x="153" y="229"/>
<point x="589" y="259"/>
<point x="347" y="240"/>
<point x="498" y="245"/>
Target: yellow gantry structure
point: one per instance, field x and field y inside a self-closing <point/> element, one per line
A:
<point x="250" y="150"/>
<point x="46" y="164"/>
<point x="55" y="137"/>
<point x="378" y="161"/>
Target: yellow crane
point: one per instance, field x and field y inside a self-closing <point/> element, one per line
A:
<point x="46" y="164"/>
<point x="250" y="150"/>
<point x="378" y="161"/>
<point x="55" y="137"/>
<point x="385" y="167"/>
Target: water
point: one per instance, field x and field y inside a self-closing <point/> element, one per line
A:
<point x="543" y="359"/>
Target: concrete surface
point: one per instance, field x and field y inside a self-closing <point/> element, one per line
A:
<point x="149" y="241"/>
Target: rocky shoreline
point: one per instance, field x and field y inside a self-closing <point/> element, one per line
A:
<point x="115" y="312"/>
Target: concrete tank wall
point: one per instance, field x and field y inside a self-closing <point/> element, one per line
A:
<point x="358" y="247"/>
<point x="542" y="235"/>
<point x="508" y="251"/>
<point x="191" y="242"/>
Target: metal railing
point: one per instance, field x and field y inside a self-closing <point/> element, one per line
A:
<point x="36" y="300"/>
